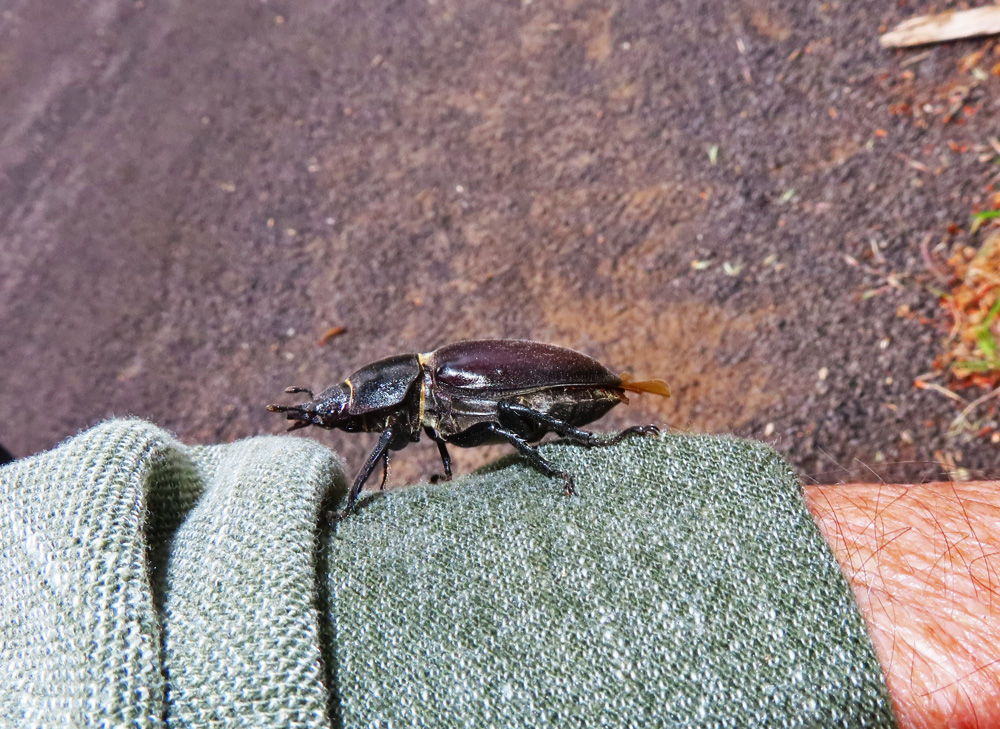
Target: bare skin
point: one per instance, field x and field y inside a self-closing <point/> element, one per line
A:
<point x="924" y="563"/>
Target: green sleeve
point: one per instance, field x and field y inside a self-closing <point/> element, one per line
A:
<point x="145" y="581"/>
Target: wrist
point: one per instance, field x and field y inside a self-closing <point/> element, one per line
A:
<point x="925" y="570"/>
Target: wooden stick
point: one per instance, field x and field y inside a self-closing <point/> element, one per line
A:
<point x="944" y="27"/>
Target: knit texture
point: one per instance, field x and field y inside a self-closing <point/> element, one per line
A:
<point x="146" y="583"/>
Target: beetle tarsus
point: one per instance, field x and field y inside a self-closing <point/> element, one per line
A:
<point x="565" y="430"/>
<point x="628" y="432"/>
<point x="385" y="469"/>
<point x="569" y="488"/>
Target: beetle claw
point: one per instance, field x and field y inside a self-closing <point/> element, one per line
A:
<point x="637" y="430"/>
<point x="336" y="516"/>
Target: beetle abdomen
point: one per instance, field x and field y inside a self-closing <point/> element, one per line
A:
<point x="574" y="405"/>
<point x="514" y="365"/>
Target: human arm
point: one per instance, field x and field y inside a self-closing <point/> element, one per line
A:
<point x="925" y="570"/>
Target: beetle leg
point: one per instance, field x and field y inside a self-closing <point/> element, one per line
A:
<point x="443" y="450"/>
<point x="577" y="435"/>
<point x="533" y="456"/>
<point x="380" y="451"/>
<point x="385" y="469"/>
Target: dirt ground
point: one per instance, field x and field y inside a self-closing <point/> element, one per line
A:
<point x="731" y="196"/>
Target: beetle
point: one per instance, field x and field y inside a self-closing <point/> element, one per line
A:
<point x="471" y="393"/>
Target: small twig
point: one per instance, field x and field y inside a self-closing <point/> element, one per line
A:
<point x="924" y="385"/>
<point x="876" y="253"/>
<point x="918" y="166"/>
<point x="925" y="253"/>
<point x="914" y="59"/>
<point x="330" y="334"/>
<point x="962" y="418"/>
<point x="741" y="46"/>
<point x="948" y="26"/>
<point x="855" y="263"/>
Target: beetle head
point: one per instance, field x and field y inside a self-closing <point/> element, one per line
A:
<point x="328" y="410"/>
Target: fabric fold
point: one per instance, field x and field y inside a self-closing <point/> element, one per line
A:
<point x="146" y="582"/>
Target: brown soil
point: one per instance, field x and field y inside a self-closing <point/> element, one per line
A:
<point x="191" y="194"/>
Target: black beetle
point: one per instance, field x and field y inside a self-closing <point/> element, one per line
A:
<point x="471" y="393"/>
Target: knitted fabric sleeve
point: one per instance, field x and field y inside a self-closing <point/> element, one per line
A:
<point x="147" y="583"/>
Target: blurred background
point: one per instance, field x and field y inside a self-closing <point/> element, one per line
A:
<point x="203" y="203"/>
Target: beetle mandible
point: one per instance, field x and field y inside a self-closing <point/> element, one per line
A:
<point x="471" y="393"/>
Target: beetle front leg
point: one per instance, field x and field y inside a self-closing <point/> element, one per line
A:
<point x="533" y="456"/>
<point x="380" y="452"/>
<point x="577" y="435"/>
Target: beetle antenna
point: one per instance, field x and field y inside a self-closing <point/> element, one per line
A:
<point x="293" y="390"/>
